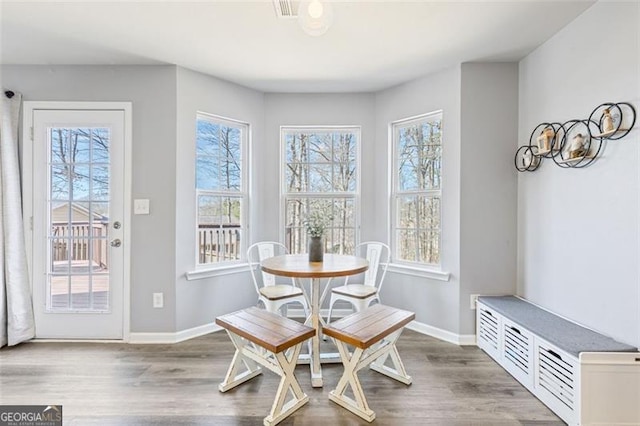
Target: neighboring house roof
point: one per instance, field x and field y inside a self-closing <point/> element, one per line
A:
<point x="79" y="213"/>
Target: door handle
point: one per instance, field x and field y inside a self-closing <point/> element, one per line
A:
<point x="116" y="243"/>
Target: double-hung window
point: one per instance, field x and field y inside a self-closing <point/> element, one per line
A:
<point x="221" y="189"/>
<point x="417" y="189"/>
<point x="320" y="176"/>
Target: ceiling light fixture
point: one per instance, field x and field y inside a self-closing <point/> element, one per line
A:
<point x="315" y="16"/>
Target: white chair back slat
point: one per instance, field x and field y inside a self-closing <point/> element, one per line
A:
<point x="374" y="251"/>
<point x="379" y="255"/>
<point x="266" y="251"/>
<point x="256" y="254"/>
<point x="277" y="297"/>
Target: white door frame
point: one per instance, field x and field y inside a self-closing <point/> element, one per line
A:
<point x="27" y="182"/>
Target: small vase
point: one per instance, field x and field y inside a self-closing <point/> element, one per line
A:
<point x="316" y="250"/>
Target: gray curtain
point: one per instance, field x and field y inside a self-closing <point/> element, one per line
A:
<point x="17" y="323"/>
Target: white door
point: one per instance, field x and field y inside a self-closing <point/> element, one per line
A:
<point x="78" y="221"/>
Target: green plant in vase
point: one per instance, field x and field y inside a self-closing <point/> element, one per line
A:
<point x="316" y="223"/>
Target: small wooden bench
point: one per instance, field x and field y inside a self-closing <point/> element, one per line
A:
<point x="263" y="337"/>
<point x="373" y="333"/>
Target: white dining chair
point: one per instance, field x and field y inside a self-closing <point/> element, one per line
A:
<point x="272" y="295"/>
<point x="361" y="295"/>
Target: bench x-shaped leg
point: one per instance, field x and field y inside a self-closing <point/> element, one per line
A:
<point x="360" y="358"/>
<point x="286" y="365"/>
<point x="235" y="376"/>
<point x="396" y="372"/>
<point x="249" y="355"/>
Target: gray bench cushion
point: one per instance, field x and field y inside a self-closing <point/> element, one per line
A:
<point x="566" y="335"/>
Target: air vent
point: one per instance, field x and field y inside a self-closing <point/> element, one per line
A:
<point x="488" y="329"/>
<point x="516" y="348"/>
<point x="557" y="376"/>
<point x="286" y="8"/>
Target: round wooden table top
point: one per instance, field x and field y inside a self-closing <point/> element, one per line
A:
<point x="298" y="266"/>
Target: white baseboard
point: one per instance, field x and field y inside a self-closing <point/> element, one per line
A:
<point x="180" y="336"/>
<point x="438" y="333"/>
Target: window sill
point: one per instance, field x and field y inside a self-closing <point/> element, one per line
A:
<point x="200" y="274"/>
<point x="433" y="274"/>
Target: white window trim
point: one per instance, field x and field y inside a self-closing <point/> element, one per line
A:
<point x="205" y="270"/>
<point x="428" y="270"/>
<point x="225" y="269"/>
<point x="283" y="158"/>
<point x="422" y="272"/>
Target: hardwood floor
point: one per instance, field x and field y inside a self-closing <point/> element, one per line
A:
<point x="120" y="384"/>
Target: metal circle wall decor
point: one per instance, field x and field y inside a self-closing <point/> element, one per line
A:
<point x="579" y="148"/>
<point x="611" y="120"/>
<point x="526" y="159"/>
<point x="576" y="143"/>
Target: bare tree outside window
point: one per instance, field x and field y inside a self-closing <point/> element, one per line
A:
<point x="79" y="164"/>
<point x="417" y="189"/>
<point x="320" y="173"/>
<point x="220" y="188"/>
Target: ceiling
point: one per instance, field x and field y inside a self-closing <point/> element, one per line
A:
<point x="372" y="44"/>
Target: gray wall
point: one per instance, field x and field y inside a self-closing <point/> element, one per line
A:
<point x="578" y="233"/>
<point x="200" y="301"/>
<point x="479" y="103"/>
<point x="488" y="193"/>
<point x="152" y="90"/>
<point x="435" y="303"/>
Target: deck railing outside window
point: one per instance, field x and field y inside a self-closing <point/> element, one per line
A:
<point x="218" y="243"/>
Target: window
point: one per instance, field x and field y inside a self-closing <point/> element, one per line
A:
<point x="221" y="189"/>
<point x="417" y="189"/>
<point x="320" y="173"/>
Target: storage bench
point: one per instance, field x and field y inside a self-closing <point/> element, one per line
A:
<point x="586" y="378"/>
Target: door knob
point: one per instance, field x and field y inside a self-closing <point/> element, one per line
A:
<point x="116" y="243"/>
<point x="117" y="225"/>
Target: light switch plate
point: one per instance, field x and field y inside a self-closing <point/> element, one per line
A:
<point x="141" y="206"/>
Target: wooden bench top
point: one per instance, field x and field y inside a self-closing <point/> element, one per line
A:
<point x="363" y="329"/>
<point x="271" y="331"/>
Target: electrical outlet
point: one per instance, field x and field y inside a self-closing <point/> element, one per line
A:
<point x="474" y="300"/>
<point x="158" y="300"/>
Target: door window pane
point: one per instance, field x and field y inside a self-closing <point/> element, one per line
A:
<point x="100" y="183"/>
<point x="80" y="182"/>
<point x="60" y="184"/>
<point x="78" y="219"/>
<point x="100" y="146"/>
<point x="81" y="146"/>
